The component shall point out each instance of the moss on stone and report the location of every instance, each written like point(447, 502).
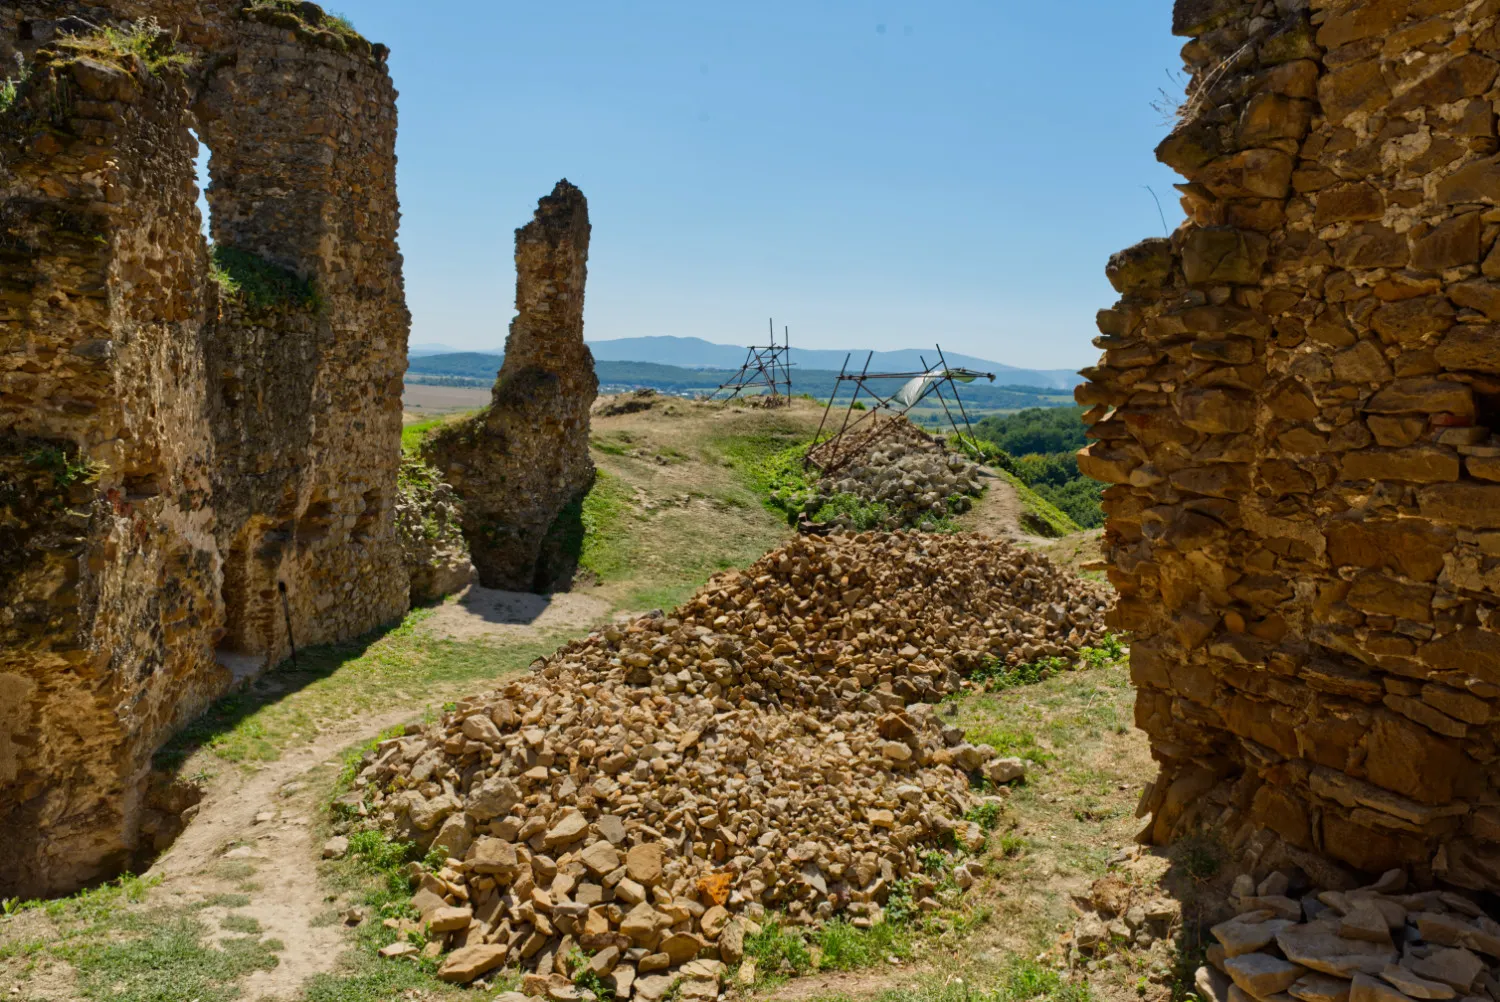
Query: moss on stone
point(38, 480)
point(143, 40)
point(311, 23)
point(258, 283)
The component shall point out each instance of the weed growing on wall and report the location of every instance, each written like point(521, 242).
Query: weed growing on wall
point(10, 87)
point(259, 283)
point(144, 40)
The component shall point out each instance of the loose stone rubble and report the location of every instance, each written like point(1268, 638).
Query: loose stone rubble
point(650, 791)
point(1297, 406)
point(1378, 943)
point(432, 541)
point(909, 472)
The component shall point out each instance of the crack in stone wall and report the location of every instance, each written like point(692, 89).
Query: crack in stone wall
point(172, 451)
point(1297, 408)
point(522, 465)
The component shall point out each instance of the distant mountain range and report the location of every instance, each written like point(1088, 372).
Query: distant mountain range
point(696, 353)
point(478, 369)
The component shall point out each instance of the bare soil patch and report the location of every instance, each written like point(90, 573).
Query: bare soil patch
point(481, 613)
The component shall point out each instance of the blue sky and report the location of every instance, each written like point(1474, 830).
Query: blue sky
point(874, 175)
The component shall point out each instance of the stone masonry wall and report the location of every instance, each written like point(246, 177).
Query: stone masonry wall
point(522, 465)
point(1297, 406)
point(172, 451)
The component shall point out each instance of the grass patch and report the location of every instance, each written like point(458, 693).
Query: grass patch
point(779, 952)
point(168, 962)
point(90, 905)
point(1022, 980)
point(369, 674)
point(374, 870)
point(414, 434)
point(1041, 517)
point(844, 947)
point(605, 534)
point(240, 923)
point(155, 48)
point(259, 283)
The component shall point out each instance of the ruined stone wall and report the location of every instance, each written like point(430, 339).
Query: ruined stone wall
point(522, 465)
point(1297, 406)
point(173, 450)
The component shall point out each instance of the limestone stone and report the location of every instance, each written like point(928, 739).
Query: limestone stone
point(1242, 935)
point(467, 963)
point(1261, 974)
point(644, 862)
point(1415, 987)
point(1367, 989)
point(449, 919)
point(1320, 988)
point(1323, 950)
point(1456, 967)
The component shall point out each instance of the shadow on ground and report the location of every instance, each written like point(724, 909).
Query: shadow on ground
point(251, 696)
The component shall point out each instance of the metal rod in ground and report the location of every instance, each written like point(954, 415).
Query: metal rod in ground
point(857, 387)
point(943, 358)
point(836, 384)
point(286, 611)
point(937, 387)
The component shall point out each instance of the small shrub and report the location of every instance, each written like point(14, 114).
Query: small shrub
point(1109, 651)
point(1011, 845)
point(846, 947)
point(986, 815)
point(778, 951)
point(995, 674)
point(259, 283)
point(10, 87)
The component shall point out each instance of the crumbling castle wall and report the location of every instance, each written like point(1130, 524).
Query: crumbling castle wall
point(522, 465)
point(180, 443)
point(1297, 406)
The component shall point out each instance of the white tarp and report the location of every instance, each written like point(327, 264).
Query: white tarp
point(913, 390)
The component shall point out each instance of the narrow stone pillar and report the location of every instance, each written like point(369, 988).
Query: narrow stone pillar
point(522, 465)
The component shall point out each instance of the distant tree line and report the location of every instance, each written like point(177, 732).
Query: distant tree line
point(478, 369)
point(1044, 442)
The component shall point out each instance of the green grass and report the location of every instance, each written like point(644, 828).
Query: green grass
point(88, 905)
point(169, 961)
point(1042, 517)
point(369, 674)
point(844, 947)
point(414, 434)
point(240, 923)
point(156, 50)
point(259, 283)
point(373, 875)
point(119, 950)
point(606, 534)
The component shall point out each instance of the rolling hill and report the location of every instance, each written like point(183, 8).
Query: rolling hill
point(478, 369)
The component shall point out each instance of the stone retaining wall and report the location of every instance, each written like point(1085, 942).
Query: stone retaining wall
point(1297, 405)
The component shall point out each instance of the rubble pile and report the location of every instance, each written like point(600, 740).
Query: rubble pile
point(429, 526)
point(1374, 944)
point(901, 468)
point(650, 791)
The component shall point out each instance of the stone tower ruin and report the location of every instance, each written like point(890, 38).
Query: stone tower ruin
point(1298, 407)
point(193, 452)
point(522, 464)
